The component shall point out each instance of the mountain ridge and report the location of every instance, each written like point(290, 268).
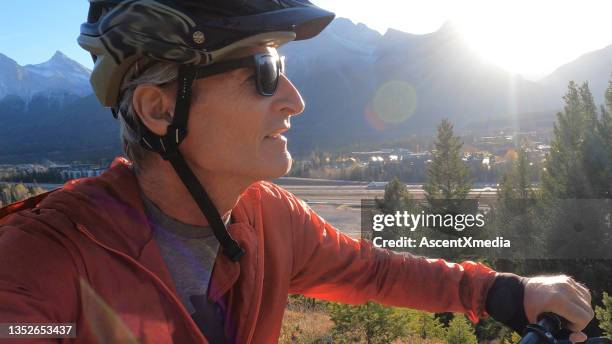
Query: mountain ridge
point(584, 68)
point(342, 75)
point(58, 75)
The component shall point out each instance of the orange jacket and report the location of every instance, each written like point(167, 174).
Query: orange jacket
point(84, 254)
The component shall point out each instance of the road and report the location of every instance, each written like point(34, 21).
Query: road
point(339, 203)
point(352, 195)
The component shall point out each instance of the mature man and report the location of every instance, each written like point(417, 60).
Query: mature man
point(185, 242)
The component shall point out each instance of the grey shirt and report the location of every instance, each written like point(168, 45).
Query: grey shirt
point(189, 253)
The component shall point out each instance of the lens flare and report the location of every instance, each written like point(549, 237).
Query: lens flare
point(103, 321)
point(395, 102)
point(373, 119)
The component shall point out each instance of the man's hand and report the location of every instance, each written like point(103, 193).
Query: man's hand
point(563, 296)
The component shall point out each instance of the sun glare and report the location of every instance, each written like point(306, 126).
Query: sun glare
point(517, 39)
point(527, 37)
point(533, 38)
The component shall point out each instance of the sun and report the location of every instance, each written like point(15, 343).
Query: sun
point(517, 47)
point(530, 39)
point(527, 37)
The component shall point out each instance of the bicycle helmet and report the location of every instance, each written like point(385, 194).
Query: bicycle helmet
point(191, 33)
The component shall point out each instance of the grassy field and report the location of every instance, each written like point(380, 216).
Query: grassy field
point(315, 327)
point(309, 322)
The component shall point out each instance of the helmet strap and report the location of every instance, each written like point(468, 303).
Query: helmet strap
point(168, 147)
point(230, 247)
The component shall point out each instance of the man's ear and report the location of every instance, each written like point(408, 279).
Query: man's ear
point(154, 106)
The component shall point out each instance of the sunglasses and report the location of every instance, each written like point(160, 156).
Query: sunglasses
point(268, 68)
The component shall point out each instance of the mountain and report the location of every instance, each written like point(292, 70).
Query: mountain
point(58, 76)
point(335, 74)
point(594, 67)
point(359, 87)
point(67, 129)
point(359, 81)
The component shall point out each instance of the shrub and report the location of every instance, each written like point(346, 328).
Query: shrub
point(371, 323)
point(460, 331)
point(604, 314)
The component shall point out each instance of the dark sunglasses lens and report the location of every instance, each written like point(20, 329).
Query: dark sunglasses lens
point(267, 72)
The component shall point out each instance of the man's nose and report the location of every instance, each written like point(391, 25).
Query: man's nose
point(290, 102)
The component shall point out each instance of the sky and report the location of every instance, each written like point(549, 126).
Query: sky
point(528, 37)
point(32, 30)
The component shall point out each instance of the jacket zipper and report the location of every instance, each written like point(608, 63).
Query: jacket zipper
point(194, 327)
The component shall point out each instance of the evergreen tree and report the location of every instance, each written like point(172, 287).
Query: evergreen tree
point(425, 325)
point(396, 198)
point(515, 192)
point(370, 323)
point(566, 174)
point(605, 144)
point(522, 176)
point(448, 182)
point(576, 190)
point(515, 215)
point(576, 169)
point(489, 330)
point(460, 331)
point(448, 174)
point(604, 314)
point(513, 338)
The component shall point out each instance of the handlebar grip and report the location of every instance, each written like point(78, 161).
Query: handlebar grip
point(548, 326)
point(552, 322)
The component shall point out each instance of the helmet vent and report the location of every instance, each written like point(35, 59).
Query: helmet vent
point(198, 37)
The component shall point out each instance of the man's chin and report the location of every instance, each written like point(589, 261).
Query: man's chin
point(282, 167)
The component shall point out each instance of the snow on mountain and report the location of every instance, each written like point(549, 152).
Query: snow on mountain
point(60, 65)
point(58, 76)
point(8, 67)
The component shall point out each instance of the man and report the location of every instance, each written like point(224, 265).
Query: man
point(185, 243)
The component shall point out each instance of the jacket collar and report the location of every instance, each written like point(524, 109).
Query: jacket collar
point(111, 208)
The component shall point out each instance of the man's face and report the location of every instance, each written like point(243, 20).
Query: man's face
point(235, 131)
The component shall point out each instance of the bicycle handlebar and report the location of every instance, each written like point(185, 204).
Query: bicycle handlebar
point(548, 327)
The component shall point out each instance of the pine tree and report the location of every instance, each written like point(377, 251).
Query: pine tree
point(396, 198)
point(425, 325)
point(576, 190)
point(513, 338)
point(516, 183)
point(448, 182)
point(580, 160)
point(562, 147)
point(515, 214)
point(570, 163)
point(460, 331)
point(605, 142)
point(573, 175)
point(604, 314)
point(370, 323)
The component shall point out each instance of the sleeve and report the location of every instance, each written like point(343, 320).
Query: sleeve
point(505, 301)
point(328, 264)
point(37, 280)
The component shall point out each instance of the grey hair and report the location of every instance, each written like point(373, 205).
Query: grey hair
point(158, 74)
